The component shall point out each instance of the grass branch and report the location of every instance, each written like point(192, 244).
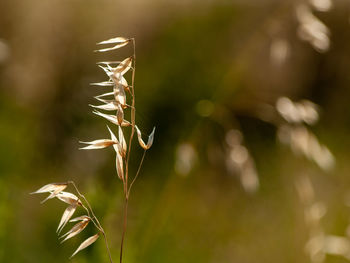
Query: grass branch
point(125, 181)
point(93, 218)
point(137, 173)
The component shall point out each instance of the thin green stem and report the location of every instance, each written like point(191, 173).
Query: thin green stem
point(106, 242)
point(138, 171)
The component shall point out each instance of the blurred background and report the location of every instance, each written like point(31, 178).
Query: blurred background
point(250, 98)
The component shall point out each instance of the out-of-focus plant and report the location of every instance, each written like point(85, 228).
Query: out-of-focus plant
point(319, 243)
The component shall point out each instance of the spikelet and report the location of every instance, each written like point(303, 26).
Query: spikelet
point(76, 229)
point(67, 214)
point(239, 161)
point(119, 41)
point(54, 189)
point(150, 138)
point(312, 29)
point(98, 144)
point(295, 133)
point(86, 243)
point(319, 243)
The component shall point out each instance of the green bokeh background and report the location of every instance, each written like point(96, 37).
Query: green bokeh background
point(187, 51)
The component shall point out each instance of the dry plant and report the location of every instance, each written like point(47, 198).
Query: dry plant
point(294, 132)
point(291, 119)
point(115, 100)
point(309, 29)
point(319, 243)
point(238, 160)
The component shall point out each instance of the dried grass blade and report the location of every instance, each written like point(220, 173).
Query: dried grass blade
point(54, 187)
point(52, 195)
point(123, 82)
point(120, 115)
point(67, 214)
point(139, 137)
point(118, 79)
point(122, 142)
point(79, 218)
point(104, 95)
point(108, 62)
point(106, 70)
point(98, 144)
point(117, 146)
point(123, 67)
point(151, 138)
point(76, 229)
point(103, 83)
point(119, 166)
point(112, 48)
point(68, 198)
point(86, 243)
point(113, 137)
point(114, 41)
point(105, 101)
point(108, 106)
point(119, 95)
point(112, 118)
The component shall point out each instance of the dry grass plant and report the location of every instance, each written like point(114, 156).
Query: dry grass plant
point(115, 100)
point(319, 243)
